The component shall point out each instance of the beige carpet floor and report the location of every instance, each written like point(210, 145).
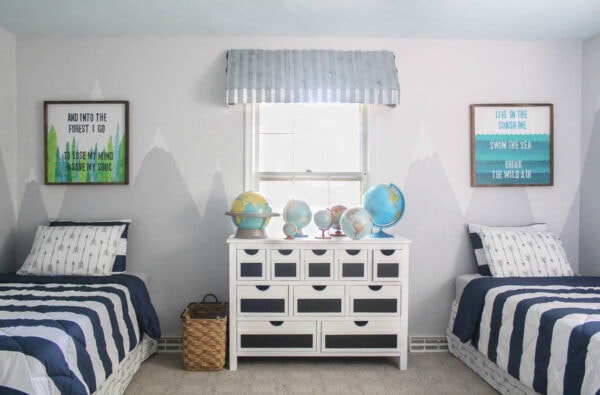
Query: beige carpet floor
point(427, 373)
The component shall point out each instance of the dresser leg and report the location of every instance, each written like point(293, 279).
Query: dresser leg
point(232, 363)
point(402, 362)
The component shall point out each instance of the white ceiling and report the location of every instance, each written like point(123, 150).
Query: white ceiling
point(457, 19)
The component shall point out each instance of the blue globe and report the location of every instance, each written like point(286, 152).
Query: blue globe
point(385, 203)
point(289, 230)
point(323, 219)
point(356, 222)
point(297, 212)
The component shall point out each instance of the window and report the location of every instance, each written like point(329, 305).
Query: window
point(311, 152)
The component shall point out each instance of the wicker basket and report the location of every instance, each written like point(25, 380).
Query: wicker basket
point(205, 334)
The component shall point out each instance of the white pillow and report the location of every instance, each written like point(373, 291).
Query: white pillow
point(73, 250)
point(474, 230)
point(514, 253)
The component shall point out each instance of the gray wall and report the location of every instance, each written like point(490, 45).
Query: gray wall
point(8, 149)
point(590, 182)
point(186, 155)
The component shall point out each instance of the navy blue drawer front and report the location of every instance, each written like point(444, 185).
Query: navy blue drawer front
point(375, 305)
point(286, 269)
point(277, 341)
point(388, 270)
point(353, 270)
point(251, 269)
point(319, 270)
point(319, 306)
point(361, 341)
point(248, 305)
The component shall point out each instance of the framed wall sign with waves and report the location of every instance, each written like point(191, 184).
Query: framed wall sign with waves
point(86, 142)
point(511, 145)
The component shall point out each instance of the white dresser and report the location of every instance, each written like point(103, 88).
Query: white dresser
point(310, 297)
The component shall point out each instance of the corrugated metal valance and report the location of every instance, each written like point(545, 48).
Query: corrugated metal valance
point(311, 76)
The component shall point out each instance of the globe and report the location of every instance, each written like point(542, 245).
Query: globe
point(323, 219)
point(289, 230)
point(297, 212)
point(250, 213)
point(356, 222)
point(385, 203)
point(336, 212)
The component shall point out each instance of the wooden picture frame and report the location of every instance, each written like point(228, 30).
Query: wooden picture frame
point(512, 145)
point(86, 142)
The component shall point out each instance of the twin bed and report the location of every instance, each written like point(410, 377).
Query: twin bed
point(525, 323)
point(71, 320)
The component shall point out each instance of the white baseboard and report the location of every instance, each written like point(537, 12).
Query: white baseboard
point(416, 344)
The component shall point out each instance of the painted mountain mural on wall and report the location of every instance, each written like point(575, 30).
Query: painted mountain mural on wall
point(442, 247)
point(590, 192)
point(8, 228)
point(32, 213)
point(184, 253)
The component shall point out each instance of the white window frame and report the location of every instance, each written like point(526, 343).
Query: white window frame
point(251, 159)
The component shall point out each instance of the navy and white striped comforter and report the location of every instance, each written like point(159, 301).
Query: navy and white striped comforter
point(66, 335)
point(545, 332)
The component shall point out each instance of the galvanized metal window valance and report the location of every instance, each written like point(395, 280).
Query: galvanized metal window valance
point(311, 76)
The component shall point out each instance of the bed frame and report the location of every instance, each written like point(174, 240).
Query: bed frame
point(500, 380)
point(120, 378)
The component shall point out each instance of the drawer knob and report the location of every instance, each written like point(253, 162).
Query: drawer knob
point(276, 323)
point(251, 252)
point(375, 287)
point(353, 252)
point(387, 252)
point(361, 323)
point(319, 252)
point(319, 287)
point(285, 252)
point(262, 287)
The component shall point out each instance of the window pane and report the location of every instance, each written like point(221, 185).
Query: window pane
point(275, 152)
point(318, 137)
point(276, 118)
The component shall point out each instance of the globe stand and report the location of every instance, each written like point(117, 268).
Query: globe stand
point(250, 234)
point(259, 232)
point(300, 234)
point(323, 234)
point(338, 233)
point(380, 235)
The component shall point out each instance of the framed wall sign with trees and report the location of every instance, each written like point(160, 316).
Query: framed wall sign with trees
point(511, 145)
point(86, 142)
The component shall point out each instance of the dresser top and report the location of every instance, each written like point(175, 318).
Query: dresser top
point(333, 242)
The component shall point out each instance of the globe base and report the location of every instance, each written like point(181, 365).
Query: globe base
point(380, 235)
point(338, 233)
point(250, 234)
point(323, 235)
point(300, 234)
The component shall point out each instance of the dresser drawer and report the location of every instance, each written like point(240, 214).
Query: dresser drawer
point(285, 264)
point(262, 300)
point(353, 265)
point(387, 264)
point(251, 264)
point(277, 336)
point(319, 300)
point(318, 264)
point(357, 336)
point(375, 300)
